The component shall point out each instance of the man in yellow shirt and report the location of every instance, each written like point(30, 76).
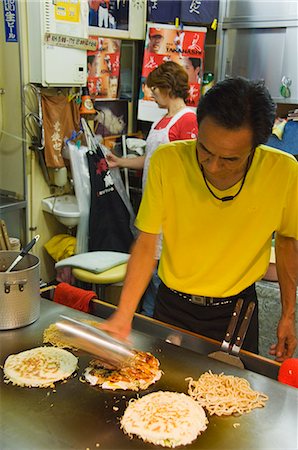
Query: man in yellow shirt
point(218, 202)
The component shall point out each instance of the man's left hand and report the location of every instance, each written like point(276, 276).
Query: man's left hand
point(287, 341)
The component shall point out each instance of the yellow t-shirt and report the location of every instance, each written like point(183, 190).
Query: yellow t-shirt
point(211, 247)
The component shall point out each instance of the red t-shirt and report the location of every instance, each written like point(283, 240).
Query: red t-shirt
point(185, 128)
point(94, 4)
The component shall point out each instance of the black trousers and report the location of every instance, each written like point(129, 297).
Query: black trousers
point(209, 321)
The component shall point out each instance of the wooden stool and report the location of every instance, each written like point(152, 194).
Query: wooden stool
point(99, 281)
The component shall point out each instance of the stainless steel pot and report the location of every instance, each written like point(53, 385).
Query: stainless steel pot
point(19, 291)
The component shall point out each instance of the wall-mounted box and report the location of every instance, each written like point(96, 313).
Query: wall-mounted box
point(52, 65)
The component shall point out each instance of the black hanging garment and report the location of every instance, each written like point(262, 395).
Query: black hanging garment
point(203, 11)
point(158, 11)
point(109, 222)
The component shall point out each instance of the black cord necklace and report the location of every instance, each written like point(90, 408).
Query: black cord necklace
point(228, 197)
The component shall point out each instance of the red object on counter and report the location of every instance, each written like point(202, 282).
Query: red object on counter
point(74, 297)
point(288, 372)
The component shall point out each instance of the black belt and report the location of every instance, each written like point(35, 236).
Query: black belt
point(202, 300)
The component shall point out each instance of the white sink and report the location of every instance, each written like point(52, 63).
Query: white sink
point(64, 208)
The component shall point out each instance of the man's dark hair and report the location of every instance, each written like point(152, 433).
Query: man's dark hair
point(238, 102)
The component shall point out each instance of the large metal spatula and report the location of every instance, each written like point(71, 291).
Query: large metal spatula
point(229, 351)
point(99, 344)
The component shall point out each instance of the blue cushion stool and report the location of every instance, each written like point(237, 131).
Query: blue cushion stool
point(100, 281)
point(98, 268)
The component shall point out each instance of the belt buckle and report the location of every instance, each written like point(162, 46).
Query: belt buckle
point(199, 300)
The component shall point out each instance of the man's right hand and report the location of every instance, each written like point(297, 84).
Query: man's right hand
point(140, 267)
point(117, 326)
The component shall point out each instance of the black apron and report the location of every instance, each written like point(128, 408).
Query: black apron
point(207, 320)
point(109, 222)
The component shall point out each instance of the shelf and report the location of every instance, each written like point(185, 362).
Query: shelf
point(290, 101)
point(10, 204)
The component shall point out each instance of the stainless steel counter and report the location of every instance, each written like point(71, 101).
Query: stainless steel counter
point(78, 416)
point(188, 340)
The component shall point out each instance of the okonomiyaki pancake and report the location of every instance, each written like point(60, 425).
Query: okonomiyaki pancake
point(164, 418)
point(142, 371)
point(39, 367)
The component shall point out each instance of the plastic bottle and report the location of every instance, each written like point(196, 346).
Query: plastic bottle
point(208, 82)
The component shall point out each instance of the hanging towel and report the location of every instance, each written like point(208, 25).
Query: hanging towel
point(60, 118)
point(74, 297)
point(61, 246)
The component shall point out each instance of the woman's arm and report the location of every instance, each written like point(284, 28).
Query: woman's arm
point(129, 163)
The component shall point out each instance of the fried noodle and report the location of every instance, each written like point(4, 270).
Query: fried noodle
point(224, 395)
point(52, 335)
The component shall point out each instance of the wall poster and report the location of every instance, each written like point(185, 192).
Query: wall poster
point(67, 11)
point(168, 43)
point(111, 14)
point(111, 118)
point(103, 66)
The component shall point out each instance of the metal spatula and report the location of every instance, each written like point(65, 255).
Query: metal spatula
point(229, 352)
point(94, 341)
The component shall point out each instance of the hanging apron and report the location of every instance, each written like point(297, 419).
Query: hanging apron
point(60, 118)
point(158, 137)
point(109, 221)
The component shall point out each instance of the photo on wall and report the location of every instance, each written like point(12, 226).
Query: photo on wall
point(167, 43)
point(109, 14)
point(111, 118)
point(103, 67)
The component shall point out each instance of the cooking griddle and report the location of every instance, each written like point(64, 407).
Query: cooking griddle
point(77, 416)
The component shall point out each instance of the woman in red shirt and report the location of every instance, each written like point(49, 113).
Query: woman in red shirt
point(169, 88)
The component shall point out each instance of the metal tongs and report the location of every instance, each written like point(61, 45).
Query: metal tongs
point(230, 347)
point(111, 352)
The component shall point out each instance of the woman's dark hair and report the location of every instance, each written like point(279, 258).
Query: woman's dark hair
point(170, 78)
point(236, 102)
